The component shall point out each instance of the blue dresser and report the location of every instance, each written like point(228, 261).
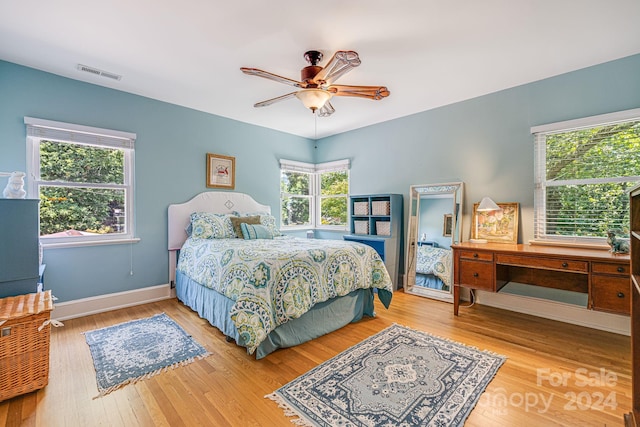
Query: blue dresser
point(19, 260)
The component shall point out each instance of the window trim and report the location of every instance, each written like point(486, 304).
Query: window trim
point(539, 202)
point(40, 129)
point(315, 198)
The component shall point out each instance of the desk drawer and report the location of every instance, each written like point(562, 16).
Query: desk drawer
point(477, 275)
point(544, 263)
point(610, 268)
point(611, 294)
point(477, 255)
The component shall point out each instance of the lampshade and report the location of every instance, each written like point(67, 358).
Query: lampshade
point(486, 204)
point(313, 99)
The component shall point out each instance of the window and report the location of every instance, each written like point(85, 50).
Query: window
point(314, 195)
point(583, 171)
point(296, 198)
point(84, 179)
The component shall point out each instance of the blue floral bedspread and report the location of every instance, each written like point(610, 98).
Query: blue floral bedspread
point(273, 281)
point(436, 261)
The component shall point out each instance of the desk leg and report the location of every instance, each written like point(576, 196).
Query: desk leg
point(456, 299)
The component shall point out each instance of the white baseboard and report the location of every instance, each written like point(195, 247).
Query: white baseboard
point(553, 310)
point(100, 304)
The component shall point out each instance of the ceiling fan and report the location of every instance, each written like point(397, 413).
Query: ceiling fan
point(316, 82)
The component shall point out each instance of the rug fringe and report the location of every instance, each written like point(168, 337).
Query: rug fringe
point(289, 411)
point(151, 374)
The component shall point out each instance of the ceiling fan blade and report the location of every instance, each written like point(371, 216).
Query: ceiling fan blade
point(371, 92)
point(271, 76)
point(340, 63)
point(326, 110)
point(274, 100)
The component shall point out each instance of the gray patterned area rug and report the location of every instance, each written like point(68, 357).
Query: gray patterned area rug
point(128, 352)
point(398, 377)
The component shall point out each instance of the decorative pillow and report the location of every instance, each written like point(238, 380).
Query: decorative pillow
point(237, 220)
point(269, 221)
point(236, 213)
point(266, 219)
point(206, 225)
point(252, 232)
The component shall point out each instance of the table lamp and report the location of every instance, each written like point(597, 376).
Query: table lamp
point(486, 205)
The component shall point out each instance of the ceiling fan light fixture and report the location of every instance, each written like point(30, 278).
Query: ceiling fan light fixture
point(316, 85)
point(313, 99)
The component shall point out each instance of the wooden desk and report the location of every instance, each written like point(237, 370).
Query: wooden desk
point(598, 273)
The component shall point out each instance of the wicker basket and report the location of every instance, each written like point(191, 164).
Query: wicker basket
point(383, 228)
point(361, 227)
point(361, 208)
point(24, 350)
point(380, 207)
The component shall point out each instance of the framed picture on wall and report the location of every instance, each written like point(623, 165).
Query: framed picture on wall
point(221, 171)
point(447, 225)
point(496, 226)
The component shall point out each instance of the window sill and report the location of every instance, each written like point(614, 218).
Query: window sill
point(310, 227)
point(596, 246)
point(57, 245)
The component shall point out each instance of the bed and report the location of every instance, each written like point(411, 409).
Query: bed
point(433, 267)
point(264, 291)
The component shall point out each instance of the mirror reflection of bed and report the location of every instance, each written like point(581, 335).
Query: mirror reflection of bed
point(435, 212)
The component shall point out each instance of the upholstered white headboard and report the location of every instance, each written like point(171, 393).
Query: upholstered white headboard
point(209, 201)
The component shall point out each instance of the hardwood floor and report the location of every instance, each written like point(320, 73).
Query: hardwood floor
point(555, 375)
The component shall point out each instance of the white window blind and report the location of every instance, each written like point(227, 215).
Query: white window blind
point(295, 166)
point(336, 166)
point(583, 171)
point(68, 132)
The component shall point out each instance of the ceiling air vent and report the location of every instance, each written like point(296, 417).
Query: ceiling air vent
point(97, 72)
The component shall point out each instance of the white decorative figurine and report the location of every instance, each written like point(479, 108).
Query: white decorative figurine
point(15, 186)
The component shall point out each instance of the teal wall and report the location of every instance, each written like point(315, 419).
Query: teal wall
point(170, 162)
point(484, 142)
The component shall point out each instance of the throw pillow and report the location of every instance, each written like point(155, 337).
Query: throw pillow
point(237, 220)
point(266, 219)
point(206, 225)
point(252, 232)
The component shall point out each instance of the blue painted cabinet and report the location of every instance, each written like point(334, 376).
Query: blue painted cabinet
point(376, 220)
point(19, 260)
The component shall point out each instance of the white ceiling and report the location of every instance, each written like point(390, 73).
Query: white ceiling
point(428, 53)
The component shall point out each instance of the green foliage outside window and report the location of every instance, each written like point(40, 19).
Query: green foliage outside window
point(295, 207)
point(588, 174)
point(86, 209)
point(297, 194)
point(333, 210)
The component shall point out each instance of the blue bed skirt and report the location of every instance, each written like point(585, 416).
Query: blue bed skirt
point(430, 281)
point(323, 318)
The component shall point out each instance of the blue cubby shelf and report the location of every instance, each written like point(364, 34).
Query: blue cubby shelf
point(376, 220)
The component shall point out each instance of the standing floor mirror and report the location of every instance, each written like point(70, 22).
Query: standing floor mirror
point(435, 216)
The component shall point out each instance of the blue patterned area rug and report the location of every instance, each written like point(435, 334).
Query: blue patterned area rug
point(128, 352)
point(398, 377)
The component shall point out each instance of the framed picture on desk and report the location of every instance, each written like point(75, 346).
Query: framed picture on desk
point(500, 226)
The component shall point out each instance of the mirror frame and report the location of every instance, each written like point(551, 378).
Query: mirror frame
point(456, 189)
